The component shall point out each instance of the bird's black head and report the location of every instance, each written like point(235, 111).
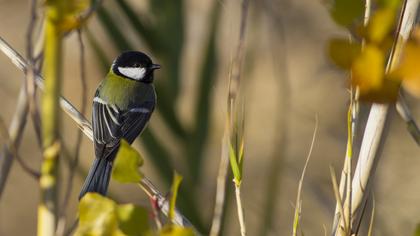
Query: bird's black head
point(135, 66)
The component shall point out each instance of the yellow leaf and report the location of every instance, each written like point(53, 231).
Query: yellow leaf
point(126, 164)
point(133, 220)
point(174, 192)
point(173, 230)
point(368, 69)
point(97, 216)
point(343, 52)
point(409, 69)
point(381, 25)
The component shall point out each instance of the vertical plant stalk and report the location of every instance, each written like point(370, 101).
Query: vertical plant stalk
point(345, 178)
point(233, 90)
point(220, 189)
point(372, 138)
point(240, 209)
point(47, 209)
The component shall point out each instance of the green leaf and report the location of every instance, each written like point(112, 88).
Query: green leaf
point(343, 52)
point(174, 192)
point(133, 220)
point(97, 216)
point(345, 12)
point(234, 165)
point(173, 230)
point(126, 164)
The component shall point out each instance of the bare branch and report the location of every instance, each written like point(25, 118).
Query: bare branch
point(15, 133)
point(11, 146)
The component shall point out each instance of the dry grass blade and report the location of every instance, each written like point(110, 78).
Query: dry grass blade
point(338, 198)
point(220, 189)
point(298, 204)
point(372, 218)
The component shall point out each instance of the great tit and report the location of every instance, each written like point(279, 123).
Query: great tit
point(122, 106)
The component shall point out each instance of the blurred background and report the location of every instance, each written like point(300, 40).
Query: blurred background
point(287, 82)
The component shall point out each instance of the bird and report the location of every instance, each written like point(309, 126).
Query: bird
point(122, 106)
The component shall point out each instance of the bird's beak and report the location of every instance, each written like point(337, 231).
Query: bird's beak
point(155, 66)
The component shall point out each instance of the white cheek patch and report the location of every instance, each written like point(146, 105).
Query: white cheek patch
point(136, 73)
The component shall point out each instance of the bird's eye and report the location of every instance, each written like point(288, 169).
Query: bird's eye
point(136, 65)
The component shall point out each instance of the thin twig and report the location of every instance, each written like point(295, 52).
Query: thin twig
point(85, 126)
point(240, 209)
point(20, 63)
point(155, 212)
point(163, 203)
point(15, 132)
point(220, 189)
point(298, 204)
point(30, 82)
point(338, 199)
point(73, 164)
point(372, 218)
point(11, 146)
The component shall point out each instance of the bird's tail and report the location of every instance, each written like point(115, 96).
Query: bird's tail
point(98, 177)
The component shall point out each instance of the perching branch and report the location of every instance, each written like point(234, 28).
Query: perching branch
point(86, 128)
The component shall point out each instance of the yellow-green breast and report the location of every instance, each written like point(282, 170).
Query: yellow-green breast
point(121, 91)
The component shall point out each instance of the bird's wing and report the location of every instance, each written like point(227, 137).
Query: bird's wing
point(107, 122)
point(110, 124)
point(135, 119)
